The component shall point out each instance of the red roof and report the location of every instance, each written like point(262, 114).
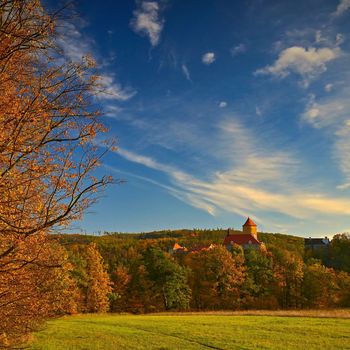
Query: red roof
point(249, 222)
point(241, 239)
point(178, 248)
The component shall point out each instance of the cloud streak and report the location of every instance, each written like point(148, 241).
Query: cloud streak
point(257, 181)
point(342, 7)
point(186, 72)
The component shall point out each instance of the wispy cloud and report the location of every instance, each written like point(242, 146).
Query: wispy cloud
point(328, 111)
point(238, 49)
point(342, 152)
point(109, 89)
point(342, 7)
point(306, 62)
point(208, 58)
point(331, 113)
point(147, 21)
point(258, 180)
point(76, 46)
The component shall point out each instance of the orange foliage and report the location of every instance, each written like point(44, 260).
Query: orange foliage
point(47, 156)
point(216, 278)
point(34, 285)
point(99, 284)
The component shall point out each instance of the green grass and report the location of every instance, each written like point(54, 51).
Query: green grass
point(198, 331)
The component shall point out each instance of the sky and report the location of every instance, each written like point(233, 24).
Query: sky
point(221, 110)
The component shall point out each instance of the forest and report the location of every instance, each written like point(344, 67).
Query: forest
point(139, 273)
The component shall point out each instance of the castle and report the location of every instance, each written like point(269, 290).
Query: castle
point(246, 239)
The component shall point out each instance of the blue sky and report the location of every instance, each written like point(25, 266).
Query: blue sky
point(222, 109)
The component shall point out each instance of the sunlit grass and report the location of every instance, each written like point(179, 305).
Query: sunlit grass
point(196, 331)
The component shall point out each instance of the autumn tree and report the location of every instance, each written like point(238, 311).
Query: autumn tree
point(91, 277)
point(343, 292)
point(340, 252)
point(99, 284)
point(216, 278)
point(34, 284)
point(120, 279)
point(288, 273)
point(319, 286)
point(47, 157)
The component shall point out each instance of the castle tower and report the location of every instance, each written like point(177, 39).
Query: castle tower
point(250, 228)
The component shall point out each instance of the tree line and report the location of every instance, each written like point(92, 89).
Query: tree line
point(140, 275)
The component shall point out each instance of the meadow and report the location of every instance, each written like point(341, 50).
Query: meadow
point(282, 330)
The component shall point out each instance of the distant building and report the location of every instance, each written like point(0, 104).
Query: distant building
point(316, 243)
point(246, 239)
point(177, 248)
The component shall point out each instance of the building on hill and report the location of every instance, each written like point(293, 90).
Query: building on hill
point(318, 248)
point(247, 239)
point(177, 248)
point(316, 243)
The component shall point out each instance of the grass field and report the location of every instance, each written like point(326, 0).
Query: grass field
point(196, 331)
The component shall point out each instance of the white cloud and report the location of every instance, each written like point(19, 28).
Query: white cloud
point(147, 21)
point(308, 63)
point(342, 7)
point(258, 111)
point(236, 50)
point(208, 58)
point(186, 72)
point(328, 87)
point(223, 104)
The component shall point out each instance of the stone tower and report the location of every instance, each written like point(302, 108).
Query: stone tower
point(250, 228)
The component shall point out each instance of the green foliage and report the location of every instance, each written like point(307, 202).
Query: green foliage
point(260, 282)
point(169, 279)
